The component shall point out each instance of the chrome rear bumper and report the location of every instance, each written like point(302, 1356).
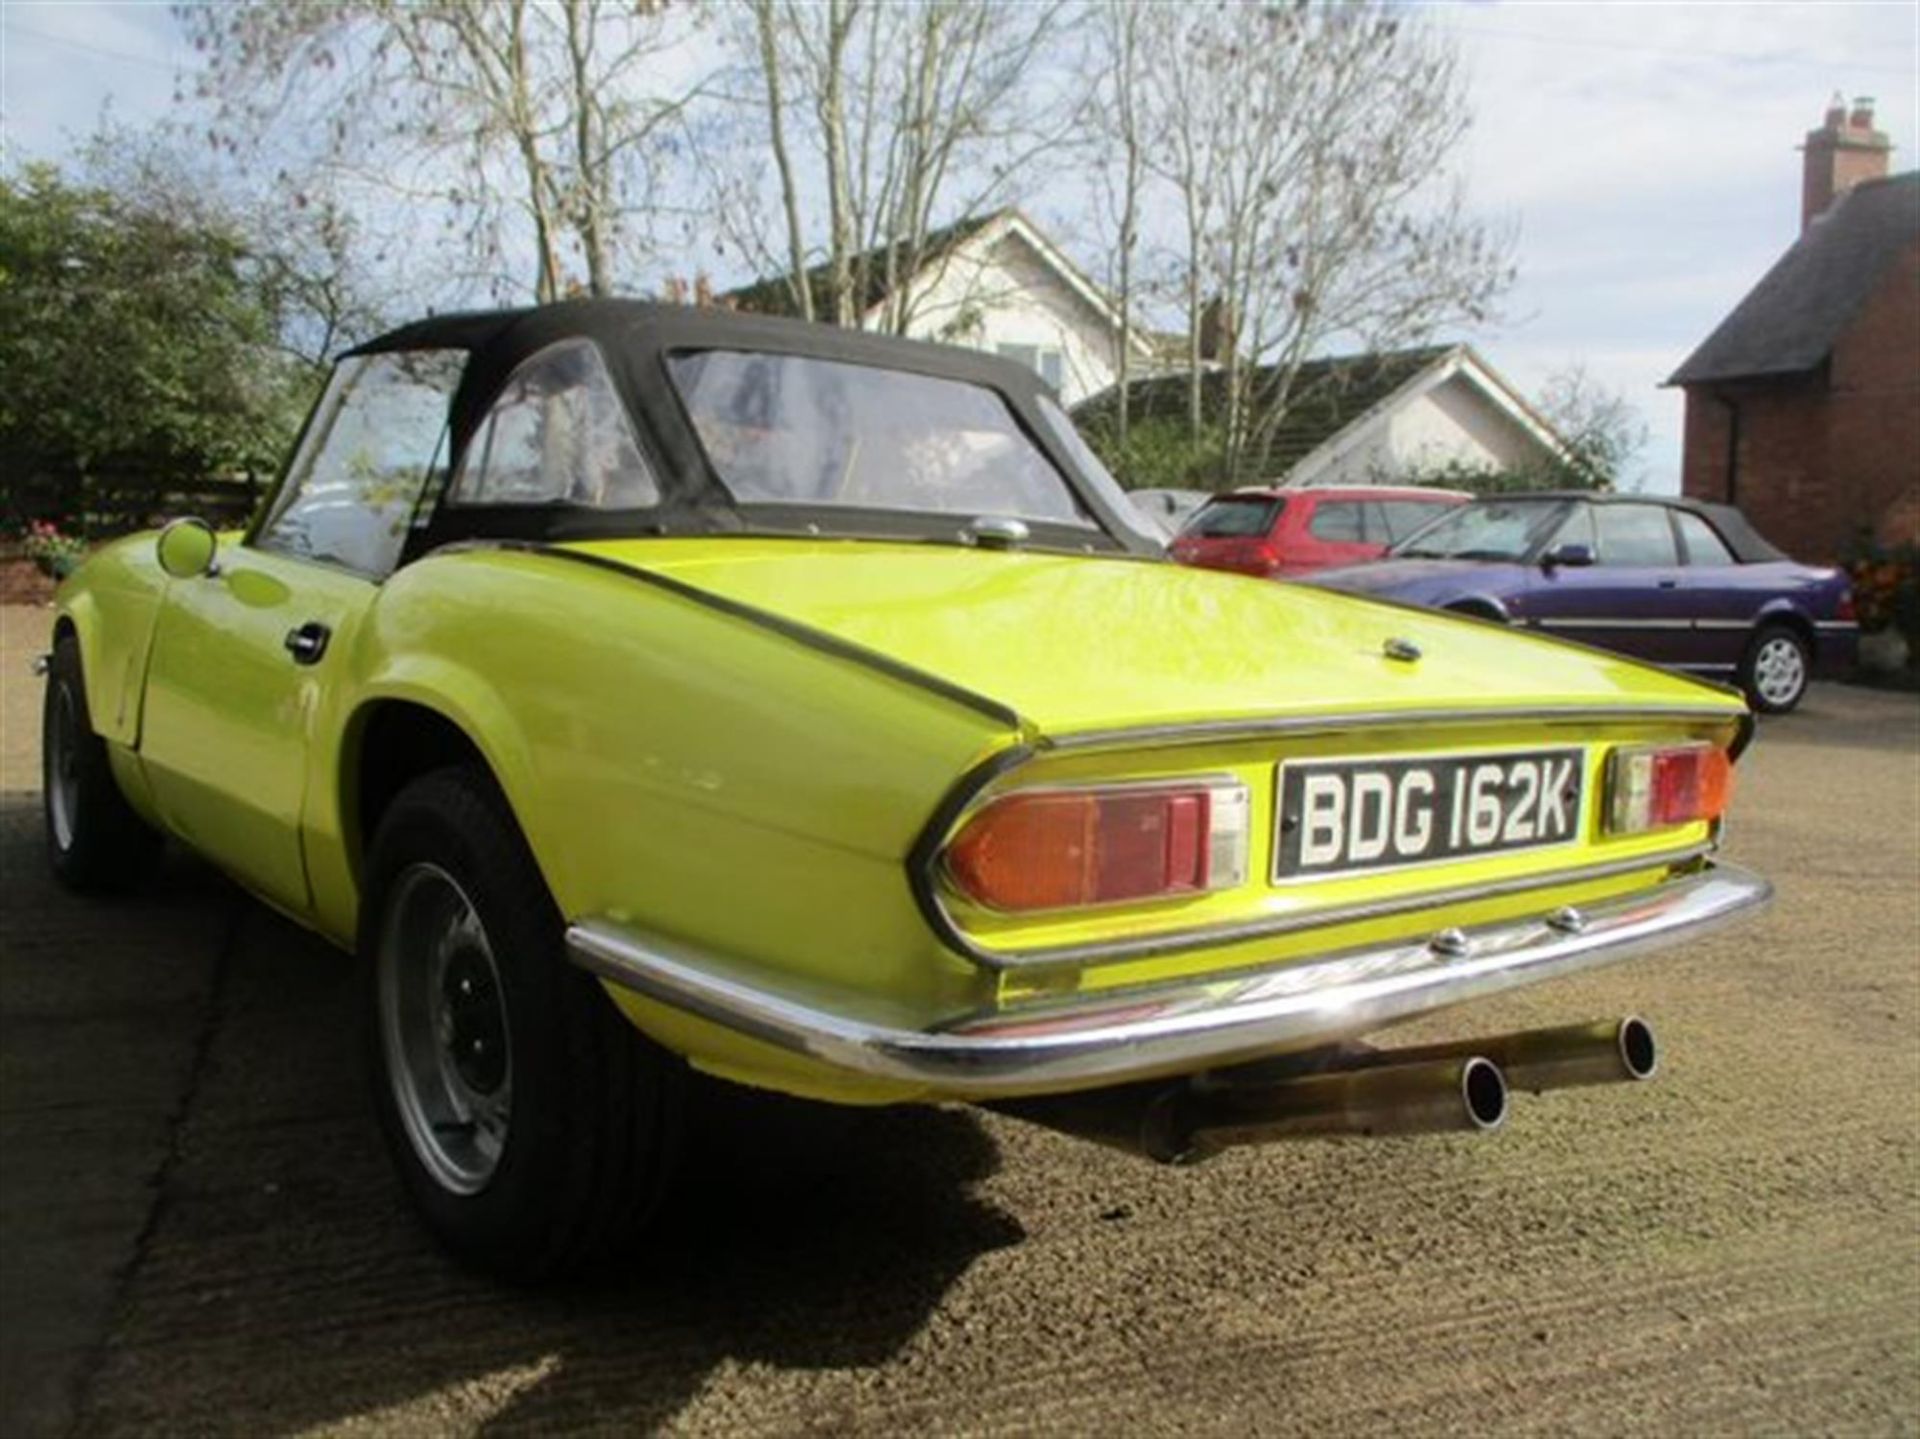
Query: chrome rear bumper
point(1116, 1037)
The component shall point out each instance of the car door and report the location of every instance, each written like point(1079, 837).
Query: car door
point(1630, 599)
point(1724, 597)
point(242, 655)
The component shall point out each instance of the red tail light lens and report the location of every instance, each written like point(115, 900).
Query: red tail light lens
point(1654, 787)
point(1060, 849)
point(1846, 610)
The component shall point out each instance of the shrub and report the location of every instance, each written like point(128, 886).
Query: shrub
point(53, 552)
point(1886, 588)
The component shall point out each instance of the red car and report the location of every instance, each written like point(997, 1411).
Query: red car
point(1277, 532)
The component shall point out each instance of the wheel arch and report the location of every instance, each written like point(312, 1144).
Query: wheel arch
point(76, 621)
point(398, 733)
point(394, 742)
point(1787, 617)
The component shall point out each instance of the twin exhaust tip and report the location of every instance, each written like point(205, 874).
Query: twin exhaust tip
point(1457, 1086)
point(1483, 1091)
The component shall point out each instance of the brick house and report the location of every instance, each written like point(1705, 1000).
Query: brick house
point(1803, 407)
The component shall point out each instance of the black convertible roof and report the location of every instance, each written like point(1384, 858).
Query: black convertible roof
point(636, 337)
point(1749, 546)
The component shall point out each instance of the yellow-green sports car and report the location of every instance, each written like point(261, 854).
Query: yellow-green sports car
point(640, 690)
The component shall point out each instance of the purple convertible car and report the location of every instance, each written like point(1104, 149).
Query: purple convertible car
point(1675, 582)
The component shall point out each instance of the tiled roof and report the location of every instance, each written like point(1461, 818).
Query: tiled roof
point(1328, 395)
point(771, 296)
point(1788, 323)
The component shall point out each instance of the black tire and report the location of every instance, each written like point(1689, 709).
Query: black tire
point(1775, 669)
point(95, 842)
point(590, 1109)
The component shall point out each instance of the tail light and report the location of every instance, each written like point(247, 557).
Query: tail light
point(1655, 787)
point(1846, 611)
point(1060, 849)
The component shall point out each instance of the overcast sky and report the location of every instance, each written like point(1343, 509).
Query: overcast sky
point(1646, 152)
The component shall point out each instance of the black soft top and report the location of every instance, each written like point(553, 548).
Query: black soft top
point(636, 338)
point(1749, 546)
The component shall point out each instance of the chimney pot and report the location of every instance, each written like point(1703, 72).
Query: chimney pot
point(1842, 153)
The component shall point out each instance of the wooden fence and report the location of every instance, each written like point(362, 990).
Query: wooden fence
point(103, 506)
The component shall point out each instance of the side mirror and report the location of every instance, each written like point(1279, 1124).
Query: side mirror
point(186, 548)
point(1572, 556)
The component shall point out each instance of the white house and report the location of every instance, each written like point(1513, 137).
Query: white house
point(1378, 418)
point(998, 283)
point(1440, 408)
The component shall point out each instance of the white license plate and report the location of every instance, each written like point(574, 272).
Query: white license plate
point(1349, 816)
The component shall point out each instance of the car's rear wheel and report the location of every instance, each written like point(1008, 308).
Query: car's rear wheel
point(534, 1128)
point(1776, 669)
point(95, 841)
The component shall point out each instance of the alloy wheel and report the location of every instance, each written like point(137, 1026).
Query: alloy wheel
point(1779, 671)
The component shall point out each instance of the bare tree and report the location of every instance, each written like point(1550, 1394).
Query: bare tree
point(537, 121)
point(303, 255)
point(1308, 146)
point(1117, 119)
point(1604, 433)
point(881, 115)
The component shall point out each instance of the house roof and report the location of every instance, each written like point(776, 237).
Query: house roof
point(1329, 394)
point(772, 296)
point(1788, 323)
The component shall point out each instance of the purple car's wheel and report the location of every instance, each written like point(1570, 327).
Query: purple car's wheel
point(1776, 670)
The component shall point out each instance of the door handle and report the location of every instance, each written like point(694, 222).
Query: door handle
point(308, 642)
point(1669, 584)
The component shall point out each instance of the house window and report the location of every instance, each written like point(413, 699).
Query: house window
point(1049, 364)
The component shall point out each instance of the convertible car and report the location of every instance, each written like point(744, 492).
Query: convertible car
point(642, 691)
point(1675, 582)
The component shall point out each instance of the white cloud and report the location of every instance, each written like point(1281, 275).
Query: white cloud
point(1649, 155)
point(61, 65)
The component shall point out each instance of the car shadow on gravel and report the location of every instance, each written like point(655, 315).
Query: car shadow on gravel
point(282, 1283)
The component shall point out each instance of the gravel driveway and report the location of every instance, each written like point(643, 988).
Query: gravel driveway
point(201, 1234)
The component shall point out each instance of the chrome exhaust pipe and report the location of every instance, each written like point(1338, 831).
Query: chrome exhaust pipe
point(1188, 1121)
point(1432, 1096)
point(1607, 1051)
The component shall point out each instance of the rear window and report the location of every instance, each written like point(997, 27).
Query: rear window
point(796, 430)
point(1234, 516)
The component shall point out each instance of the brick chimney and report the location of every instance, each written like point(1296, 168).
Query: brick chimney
point(1845, 150)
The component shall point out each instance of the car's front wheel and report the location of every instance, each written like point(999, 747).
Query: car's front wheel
point(1776, 669)
point(534, 1127)
point(95, 841)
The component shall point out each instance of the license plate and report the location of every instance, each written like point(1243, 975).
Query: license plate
point(1346, 816)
